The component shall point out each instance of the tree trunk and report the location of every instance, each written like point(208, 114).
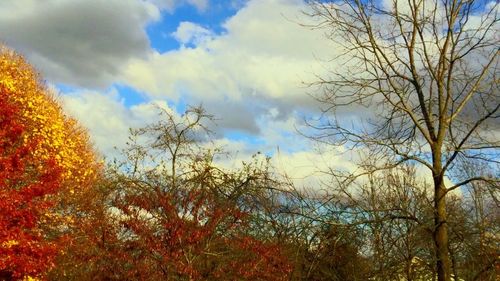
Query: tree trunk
point(443, 264)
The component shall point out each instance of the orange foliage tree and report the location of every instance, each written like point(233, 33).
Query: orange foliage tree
point(23, 250)
point(58, 135)
point(43, 154)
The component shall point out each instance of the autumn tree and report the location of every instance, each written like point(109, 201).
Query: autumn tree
point(171, 213)
point(23, 249)
point(43, 154)
point(426, 75)
point(44, 119)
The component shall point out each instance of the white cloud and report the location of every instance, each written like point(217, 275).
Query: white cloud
point(191, 33)
point(107, 118)
point(258, 64)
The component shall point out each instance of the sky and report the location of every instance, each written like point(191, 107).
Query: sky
point(247, 62)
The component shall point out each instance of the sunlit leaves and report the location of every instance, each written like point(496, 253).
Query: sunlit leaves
point(23, 249)
point(57, 135)
point(42, 153)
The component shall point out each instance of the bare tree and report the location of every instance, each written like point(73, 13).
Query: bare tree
point(426, 74)
point(474, 222)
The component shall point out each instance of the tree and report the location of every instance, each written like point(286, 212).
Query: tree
point(43, 154)
point(23, 249)
point(43, 118)
point(426, 73)
point(170, 213)
point(474, 220)
point(380, 224)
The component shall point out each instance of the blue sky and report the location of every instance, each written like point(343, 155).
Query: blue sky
point(211, 18)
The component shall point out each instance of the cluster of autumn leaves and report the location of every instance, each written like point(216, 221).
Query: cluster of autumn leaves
point(43, 154)
point(64, 216)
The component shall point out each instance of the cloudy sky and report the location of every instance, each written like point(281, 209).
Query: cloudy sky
point(246, 62)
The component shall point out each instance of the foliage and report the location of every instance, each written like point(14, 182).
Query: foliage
point(43, 154)
point(169, 213)
point(58, 136)
point(23, 249)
